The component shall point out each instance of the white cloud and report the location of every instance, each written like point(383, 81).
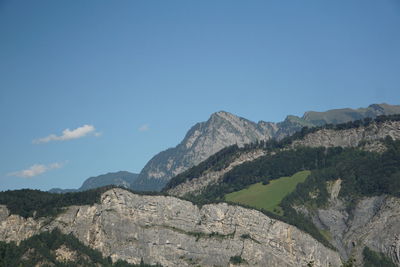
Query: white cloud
point(144, 128)
point(68, 134)
point(36, 170)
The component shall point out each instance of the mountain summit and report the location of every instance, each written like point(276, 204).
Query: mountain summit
point(223, 129)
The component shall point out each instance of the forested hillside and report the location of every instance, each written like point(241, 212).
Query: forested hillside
point(363, 174)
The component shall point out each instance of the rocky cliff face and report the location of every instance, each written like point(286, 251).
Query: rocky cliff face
point(196, 185)
point(373, 222)
point(204, 139)
point(174, 232)
point(369, 137)
point(224, 129)
point(352, 137)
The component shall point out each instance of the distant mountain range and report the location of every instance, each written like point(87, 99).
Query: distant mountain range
point(121, 178)
point(324, 196)
point(223, 129)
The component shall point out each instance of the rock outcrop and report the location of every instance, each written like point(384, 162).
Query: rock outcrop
point(203, 140)
point(224, 129)
point(174, 232)
point(196, 185)
point(373, 222)
point(368, 138)
point(370, 135)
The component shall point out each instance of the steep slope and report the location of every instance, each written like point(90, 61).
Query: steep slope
point(373, 222)
point(121, 178)
point(53, 249)
point(224, 129)
point(175, 232)
point(194, 184)
point(352, 196)
point(368, 136)
point(204, 139)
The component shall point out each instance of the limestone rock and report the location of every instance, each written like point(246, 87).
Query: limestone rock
point(224, 129)
point(352, 137)
point(196, 185)
point(373, 222)
point(203, 140)
point(175, 232)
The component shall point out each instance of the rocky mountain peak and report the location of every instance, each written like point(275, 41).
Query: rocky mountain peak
point(223, 114)
point(223, 129)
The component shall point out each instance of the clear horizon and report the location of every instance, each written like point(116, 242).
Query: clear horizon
point(92, 87)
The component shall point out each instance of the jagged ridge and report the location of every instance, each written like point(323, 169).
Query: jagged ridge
point(174, 232)
point(224, 129)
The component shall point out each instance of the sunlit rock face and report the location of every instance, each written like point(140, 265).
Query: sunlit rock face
point(174, 232)
point(223, 129)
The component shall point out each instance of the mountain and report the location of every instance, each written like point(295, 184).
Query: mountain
point(121, 178)
point(351, 198)
point(62, 191)
point(173, 232)
point(223, 129)
point(367, 135)
point(203, 139)
point(346, 211)
point(336, 116)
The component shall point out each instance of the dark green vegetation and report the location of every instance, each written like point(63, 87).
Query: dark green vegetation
point(216, 162)
point(363, 174)
point(268, 168)
point(181, 155)
point(237, 260)
point(222, 158)
point(347, 114)
point(268, 196)
point(42, 249)
point(376, 259)
point(36, 203)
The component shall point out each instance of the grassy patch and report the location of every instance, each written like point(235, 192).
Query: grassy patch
point(268, 196)
point(326, 234)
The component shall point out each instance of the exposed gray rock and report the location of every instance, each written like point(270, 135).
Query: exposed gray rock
point(203, 140)
point(224, 129)
point(196, 185)
point(368, 138)
point(16, 228)
point(174, 232)
point(351, 137)
point(373, 222)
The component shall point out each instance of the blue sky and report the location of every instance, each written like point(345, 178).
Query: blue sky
point(129, 78)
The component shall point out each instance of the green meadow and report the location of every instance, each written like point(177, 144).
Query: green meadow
point(268, 196)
